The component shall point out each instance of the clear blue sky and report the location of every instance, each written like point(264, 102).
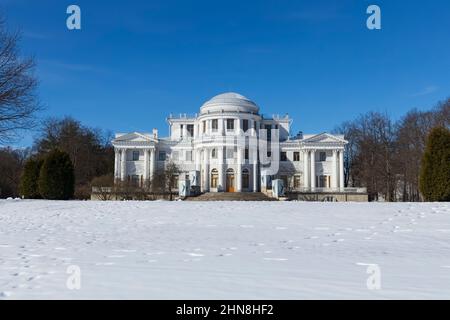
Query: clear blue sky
point(134, 62)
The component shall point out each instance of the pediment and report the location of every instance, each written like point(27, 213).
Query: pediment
point(134, 137)
point(324, 138)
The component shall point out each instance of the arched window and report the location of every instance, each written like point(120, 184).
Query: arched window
point(214, 178)
point(214, 153)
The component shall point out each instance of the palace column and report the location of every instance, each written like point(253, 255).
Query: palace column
point(306, 169)
point(152, 163)
point(334, 173)
point(206, 169)
point(123, 164)
point(198, 160)
point(208, 127)
point(116, 164)
point(195, 131)
point(146, 164)
point(221, 185)
point(239, 170)
point(313, 169)
point(341, 170)
point(221, 126)
point(255, 175)
point(185, 132)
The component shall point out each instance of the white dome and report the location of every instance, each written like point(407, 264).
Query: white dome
point(229, 102)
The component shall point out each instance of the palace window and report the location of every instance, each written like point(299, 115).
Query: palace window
point(246, 154)
point(245, 125)
point(135, 180)
point(268, 127)
point(162, 156)
point(214, 125)
point(181, 130)
point(324, 181)
point(245, 179)
point(190, 130)
point(204, 126)
point(175, 155)
point(214, 153)
point(175, 181)
point(230, 124)
point(230, 153)
point(296, 182)
point(322, 156)
point(283, 156)
point(188, 155)
point(214, 178)
point(296, 156)
point(135, 155)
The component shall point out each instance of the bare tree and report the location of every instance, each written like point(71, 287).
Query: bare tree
point(171, 173)
point(11, 165)
point(165, 181)
point(18, 99)
point(386, 157)
point(103, 187)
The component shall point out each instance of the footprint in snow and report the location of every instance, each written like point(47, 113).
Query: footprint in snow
point(105, 263)
point(116, 256)
point(275, 259)
point(154, 253)
point(195, 254)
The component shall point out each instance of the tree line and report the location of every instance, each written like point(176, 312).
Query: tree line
point(89, 151)
point(386, 155)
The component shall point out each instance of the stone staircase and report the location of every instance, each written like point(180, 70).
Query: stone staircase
point(231, 196)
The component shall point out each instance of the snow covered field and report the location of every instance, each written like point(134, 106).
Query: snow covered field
point(223, 250)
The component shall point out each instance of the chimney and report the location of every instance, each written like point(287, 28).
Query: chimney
point(155, 133)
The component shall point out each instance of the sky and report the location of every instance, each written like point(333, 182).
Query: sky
point(135, 62)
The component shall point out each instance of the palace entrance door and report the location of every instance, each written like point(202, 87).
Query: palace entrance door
point(230, 180)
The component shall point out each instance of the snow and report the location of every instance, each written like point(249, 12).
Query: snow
point(223, 250)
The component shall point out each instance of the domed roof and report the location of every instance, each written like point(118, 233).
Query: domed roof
point(229, 102)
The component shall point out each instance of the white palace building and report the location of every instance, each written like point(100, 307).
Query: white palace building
point(205, 150)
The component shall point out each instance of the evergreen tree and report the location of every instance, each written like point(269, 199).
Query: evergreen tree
point(435, 168)
point(29, 180)
point(56, 179)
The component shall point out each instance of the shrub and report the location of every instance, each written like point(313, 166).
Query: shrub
point(56, 179)
point(29, 188)
point(435, 167)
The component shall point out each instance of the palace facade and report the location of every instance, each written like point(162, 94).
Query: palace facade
point(200, 146)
